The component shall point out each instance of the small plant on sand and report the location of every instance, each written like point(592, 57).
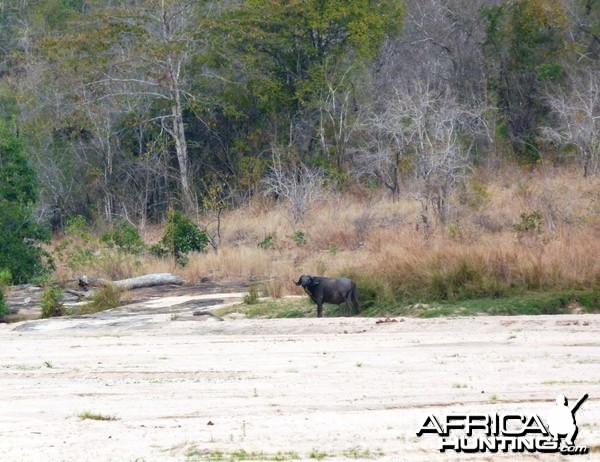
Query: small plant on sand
point(87, 415)
point(251, 298)
point(318, 455)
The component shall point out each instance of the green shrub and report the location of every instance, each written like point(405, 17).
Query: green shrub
point(590, 299)
point(79, 258)
point(77, 226)
point(267, 242)
point(251, 298)
point(5, 279)
point(300, 238)
point(51, 304)
point(181, 236)
point(530, 222)
point(3, 308)
point(21, 232)
point(125, 237)
point(19, 249)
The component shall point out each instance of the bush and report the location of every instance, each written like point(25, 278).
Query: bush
point(268, 241)
point(21, 233)
point(125, 237)
point(19, 251)
point(5, 278)
point(251, 298)
point(51, 304)
point(78, 227)
point(3, 307)
point(181, 236)
point(530, 222)
point(300, 238)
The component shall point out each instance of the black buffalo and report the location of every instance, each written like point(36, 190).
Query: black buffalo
point(327, 290)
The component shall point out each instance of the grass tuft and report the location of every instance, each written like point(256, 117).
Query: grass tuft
point(105, 298)
point(87, 415)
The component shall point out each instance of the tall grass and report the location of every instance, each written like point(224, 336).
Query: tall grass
point(510, 231)
point(447, 270)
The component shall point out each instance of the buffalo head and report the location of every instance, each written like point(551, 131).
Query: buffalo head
point(306, 281)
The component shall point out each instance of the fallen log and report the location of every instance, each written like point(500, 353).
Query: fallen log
point(148, 280)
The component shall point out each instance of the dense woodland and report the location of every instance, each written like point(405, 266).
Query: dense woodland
point(127, 109)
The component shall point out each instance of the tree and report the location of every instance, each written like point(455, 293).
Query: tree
point(524, 46)
point(576, 113)
point(21, 234)
point(425, 132)
point(441, 42)
point(293, 59)
point(300, 185)
point(285, 44)
point(129, 54)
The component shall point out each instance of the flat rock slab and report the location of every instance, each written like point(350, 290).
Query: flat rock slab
point(24, 301)
point(144, 314)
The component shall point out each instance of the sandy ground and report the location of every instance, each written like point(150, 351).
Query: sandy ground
point(181, 387)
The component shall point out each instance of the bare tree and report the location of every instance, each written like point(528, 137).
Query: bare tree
point(576, 113)
point(441, 42)
point(299, 185)
point(338, 119)
point(428, 133)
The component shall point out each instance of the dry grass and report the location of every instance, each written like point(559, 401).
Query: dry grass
point(368, 235)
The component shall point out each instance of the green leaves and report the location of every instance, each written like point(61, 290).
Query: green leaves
point(17, 178)
point(181, 237)
point(125, 237)
point(284, 45)
point(525, 44)
point(20, 232)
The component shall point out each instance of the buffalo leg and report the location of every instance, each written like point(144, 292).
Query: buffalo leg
point(349, 305)
point(319, 310)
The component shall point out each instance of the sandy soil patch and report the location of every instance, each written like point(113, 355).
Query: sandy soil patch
point(193, 388)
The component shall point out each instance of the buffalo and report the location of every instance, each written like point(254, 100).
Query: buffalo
point(327, 290)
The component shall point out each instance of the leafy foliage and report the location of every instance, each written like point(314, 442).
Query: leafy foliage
point(181, 236)
point(19, 250)
point(125, 237)
point(530, 222)
point(5, 278)
point(525, 44)
point(286, 46)
point(51, 304)
point(268, 241)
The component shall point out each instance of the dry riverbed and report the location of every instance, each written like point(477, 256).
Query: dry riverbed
point(152, 382)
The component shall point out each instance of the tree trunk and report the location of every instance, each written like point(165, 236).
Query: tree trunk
point(148, 280)
point(173, 69)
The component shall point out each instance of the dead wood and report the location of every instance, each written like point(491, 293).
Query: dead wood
point(148, 280)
